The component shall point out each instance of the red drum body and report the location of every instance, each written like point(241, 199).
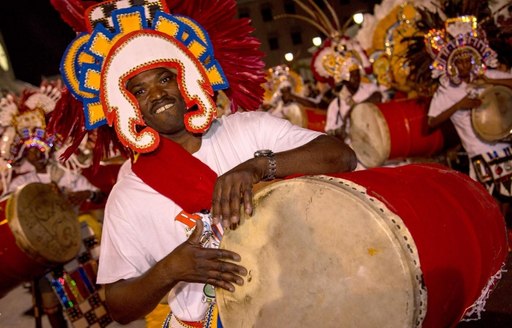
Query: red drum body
point(38, 230)
point(397, 129)
point(316, 118)
point(412, 246)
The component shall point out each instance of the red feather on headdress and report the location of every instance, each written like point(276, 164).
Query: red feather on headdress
point(236, 51)
point(72, 12)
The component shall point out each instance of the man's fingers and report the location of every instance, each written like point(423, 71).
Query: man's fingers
point(195, 237)
point(248, 201)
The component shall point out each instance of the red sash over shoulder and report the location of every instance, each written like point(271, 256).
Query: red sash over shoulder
point(176, 174)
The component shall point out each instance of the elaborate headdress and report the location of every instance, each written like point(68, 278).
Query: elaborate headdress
point(24, 120)
point(279, 77)
point(459, 29)
point(37, 138)
point(201, 40)
point(328, 63)
point(23, 123)
point(381, 36)
point(460, 38)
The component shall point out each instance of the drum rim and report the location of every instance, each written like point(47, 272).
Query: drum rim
point(367, 160)
point(393, 221)
point(477, 126)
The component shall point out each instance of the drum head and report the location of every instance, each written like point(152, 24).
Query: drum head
point(321, 253)
point(492, 121)
point(44, 223)
point(369, 134)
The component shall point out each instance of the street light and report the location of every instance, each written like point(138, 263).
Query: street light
point(317, 41)
point(288, 56)
point(358, 18)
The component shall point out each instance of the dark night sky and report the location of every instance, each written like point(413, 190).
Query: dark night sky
point(35, 37)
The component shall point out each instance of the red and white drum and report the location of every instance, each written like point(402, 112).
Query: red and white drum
point(315, 118)
point(38, 230)
point(396, 129)
point(388, 247)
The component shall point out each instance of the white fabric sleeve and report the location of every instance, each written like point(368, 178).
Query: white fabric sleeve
point(444, 98)
point(281, 135)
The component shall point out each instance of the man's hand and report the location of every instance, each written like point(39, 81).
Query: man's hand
point(76, 198)
point(469, 102)
point(232, 189)
point(193, 263)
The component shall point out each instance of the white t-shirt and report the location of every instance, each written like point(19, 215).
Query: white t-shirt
point(447, 96)
point(139, 225)
point(338, 108)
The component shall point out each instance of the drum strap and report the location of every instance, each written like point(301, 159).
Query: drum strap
point(494, 171)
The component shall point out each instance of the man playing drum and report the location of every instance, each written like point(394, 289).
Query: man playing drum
point(156, 89)
point(350, 92)
point(463, 72)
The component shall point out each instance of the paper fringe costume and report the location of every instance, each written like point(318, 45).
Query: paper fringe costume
point(201, 40)
point(23, 126)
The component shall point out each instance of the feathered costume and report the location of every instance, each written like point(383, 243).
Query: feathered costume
point(457, 26)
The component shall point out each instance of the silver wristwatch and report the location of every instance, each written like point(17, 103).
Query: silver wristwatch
point(272, 165)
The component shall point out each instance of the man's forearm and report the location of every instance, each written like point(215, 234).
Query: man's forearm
point(503, 82)
point(435, 122)
point(132, 299)
point(324, 154)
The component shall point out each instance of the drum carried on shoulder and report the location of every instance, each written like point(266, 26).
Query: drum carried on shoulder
point(38, 230)
point(492, 120)
point(392, 130)
point(412, 246)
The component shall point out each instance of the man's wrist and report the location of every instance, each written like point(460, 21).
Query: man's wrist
point(270, 171)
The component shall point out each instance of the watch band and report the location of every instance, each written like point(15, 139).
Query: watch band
point(272, 164)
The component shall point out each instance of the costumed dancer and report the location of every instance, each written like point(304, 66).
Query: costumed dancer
point(150, 73)
point(31, 158)
point(340, 62)
point(283, 85)
point(382, 37)
point(455, 53)
point(351, 91)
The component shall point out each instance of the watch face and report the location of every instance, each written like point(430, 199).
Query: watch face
point(263, 153)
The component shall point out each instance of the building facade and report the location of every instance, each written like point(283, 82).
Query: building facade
point(290, 35)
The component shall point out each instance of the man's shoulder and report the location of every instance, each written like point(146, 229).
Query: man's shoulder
point(244, 115)
point(247, 118)
point(130, 187)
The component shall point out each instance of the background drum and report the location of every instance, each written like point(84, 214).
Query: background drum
point(315, 118)
point(396, 129)
point(38, 230)
point(492, 121)
point(386, 247)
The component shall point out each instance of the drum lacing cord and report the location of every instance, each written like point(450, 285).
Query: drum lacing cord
point(474, 312)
